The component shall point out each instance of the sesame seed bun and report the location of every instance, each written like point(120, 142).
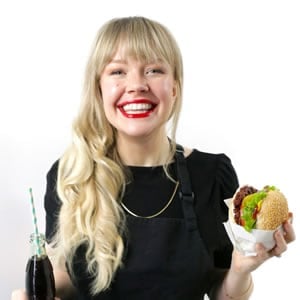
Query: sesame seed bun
point(274, 211)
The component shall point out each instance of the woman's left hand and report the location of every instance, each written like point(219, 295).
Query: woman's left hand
point(245, 264)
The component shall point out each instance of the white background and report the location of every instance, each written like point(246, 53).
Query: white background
point(241, 97)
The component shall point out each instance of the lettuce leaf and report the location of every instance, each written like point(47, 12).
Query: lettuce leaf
point(251, 205)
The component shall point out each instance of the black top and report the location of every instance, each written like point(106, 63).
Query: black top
point(213, 179)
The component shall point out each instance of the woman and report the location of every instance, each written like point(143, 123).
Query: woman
point(131, 214)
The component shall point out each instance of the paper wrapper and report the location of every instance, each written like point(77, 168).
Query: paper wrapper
point(245, 241)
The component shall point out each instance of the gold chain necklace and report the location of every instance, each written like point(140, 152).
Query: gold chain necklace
point(159, 212)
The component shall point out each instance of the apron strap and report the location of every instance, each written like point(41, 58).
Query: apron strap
point(186, 193)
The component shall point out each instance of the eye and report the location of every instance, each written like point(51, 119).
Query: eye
point(117, 72)
point(155, 71)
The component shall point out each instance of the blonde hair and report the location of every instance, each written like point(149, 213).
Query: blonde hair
point(91, 176)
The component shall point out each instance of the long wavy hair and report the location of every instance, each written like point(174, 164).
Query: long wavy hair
point(91, 176)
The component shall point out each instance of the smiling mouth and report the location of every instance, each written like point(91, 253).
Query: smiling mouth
point(137, 110)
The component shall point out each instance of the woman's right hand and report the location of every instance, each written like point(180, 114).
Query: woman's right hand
point(21, 295)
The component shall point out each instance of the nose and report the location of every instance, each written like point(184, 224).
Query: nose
point(136, 82)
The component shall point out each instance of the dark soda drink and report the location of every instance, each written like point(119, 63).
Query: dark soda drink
point(39, 280)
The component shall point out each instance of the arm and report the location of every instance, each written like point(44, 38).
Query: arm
point(237, 283)
point(52, 203)
point(64, 287)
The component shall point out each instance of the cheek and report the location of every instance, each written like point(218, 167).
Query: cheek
point(168, 90)
point(108, 89)
point(110, 93)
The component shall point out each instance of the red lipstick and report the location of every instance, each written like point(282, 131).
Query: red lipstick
point(138, 108)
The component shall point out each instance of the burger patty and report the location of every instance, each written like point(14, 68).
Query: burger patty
point(238, 200)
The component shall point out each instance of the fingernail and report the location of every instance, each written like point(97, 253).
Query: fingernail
point(291, 216)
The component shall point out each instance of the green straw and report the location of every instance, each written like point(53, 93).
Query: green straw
point(36, 231)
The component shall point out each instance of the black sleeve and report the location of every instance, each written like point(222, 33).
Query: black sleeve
point(227, 183)
point(52, 202)
point(225, 186)
point(213, 180)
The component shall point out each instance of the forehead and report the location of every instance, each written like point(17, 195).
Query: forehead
point(144, 50)
point(124, 56)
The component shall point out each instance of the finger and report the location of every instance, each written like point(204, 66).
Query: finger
point(289, 233)
point(281, 245)
point(291, 217)
point(262, 253)
point(19, 295)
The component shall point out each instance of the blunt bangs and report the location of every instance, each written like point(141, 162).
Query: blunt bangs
point(140, 39)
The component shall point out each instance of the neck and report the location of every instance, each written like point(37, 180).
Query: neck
point(150, 151)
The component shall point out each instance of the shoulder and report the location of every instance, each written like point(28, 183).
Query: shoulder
point(51, 183)
point(195, 156)
point(52, 172)
point(51, 200)
point(212, 169)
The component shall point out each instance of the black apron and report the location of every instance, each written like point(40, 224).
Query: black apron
point(165, 257)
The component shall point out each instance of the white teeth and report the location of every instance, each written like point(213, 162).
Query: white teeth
point(137, 107)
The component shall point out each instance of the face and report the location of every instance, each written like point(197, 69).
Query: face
point(138, 97)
